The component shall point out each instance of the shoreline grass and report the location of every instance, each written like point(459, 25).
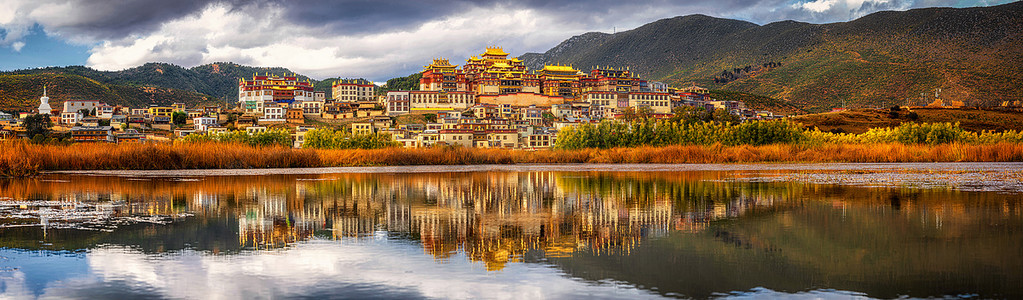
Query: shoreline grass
point(21, 159)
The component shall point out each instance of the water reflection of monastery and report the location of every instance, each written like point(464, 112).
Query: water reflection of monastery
point(490, 217)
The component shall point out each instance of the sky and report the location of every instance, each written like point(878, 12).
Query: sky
point(373, 39)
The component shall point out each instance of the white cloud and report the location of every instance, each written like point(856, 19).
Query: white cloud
point(831, 10)
point(323, 266)
point(15, 27)
point(17, 46)
point(819, 6)
point(262, 36)
point(14, 285)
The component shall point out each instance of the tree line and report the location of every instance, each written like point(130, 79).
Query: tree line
point(727, 76)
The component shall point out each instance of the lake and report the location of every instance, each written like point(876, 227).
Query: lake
point(517, 232)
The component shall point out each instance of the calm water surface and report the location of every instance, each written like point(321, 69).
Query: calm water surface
point(529, 233)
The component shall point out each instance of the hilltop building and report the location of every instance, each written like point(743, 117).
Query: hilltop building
point(254, 94)
point(609, 79)
point(561, 81)
point(497, 79)
point(353, 90)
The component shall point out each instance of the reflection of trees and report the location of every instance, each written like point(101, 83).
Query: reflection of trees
point(927, 243)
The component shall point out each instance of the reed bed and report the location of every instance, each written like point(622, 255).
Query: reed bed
point(156, 156)
point(19, 159)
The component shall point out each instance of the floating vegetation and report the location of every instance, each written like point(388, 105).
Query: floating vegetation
point(961, 180)
point(51, 214)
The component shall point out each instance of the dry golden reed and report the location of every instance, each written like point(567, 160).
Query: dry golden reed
point(23, 159)
point(159, 156)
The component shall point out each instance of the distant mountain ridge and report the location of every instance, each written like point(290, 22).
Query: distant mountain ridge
point(886, 58)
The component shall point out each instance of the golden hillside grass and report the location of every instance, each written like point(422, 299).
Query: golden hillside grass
point(23, 159)
point(861, 120)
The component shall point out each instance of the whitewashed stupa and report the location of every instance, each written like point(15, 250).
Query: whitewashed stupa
point(44, 103)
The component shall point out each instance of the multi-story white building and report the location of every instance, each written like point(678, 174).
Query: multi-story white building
point(140, 112)
point(501, 138)
point(353, 90)
point(312, 107)
point(659, 103)
point(273, 113)
point(362, 128)
point(70, 118)
point(104, 111)
point(76, 105)
point(434, 101)
point(600, 98)
point(453, 137)
point(562, 111)
point(204, 123)
point(398, 103)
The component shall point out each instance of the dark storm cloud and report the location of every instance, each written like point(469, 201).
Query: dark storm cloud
point(117, 19)
point(102, 20)
point(368, 16)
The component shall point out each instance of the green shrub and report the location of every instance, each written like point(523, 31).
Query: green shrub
point(610, 134)
point(273, 137)
point(331, 139)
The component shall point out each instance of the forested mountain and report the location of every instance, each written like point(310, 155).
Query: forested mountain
point(22, 92)
point(974, 55)
point(151, 83)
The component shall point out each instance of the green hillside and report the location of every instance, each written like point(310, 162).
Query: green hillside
point(406, 83)
point(219, 80)
point(886, 58)
point(756, 102)
point(22, 92)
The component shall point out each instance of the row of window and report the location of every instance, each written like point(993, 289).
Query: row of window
point(648, 97)
point(654, 103)
point(270, 93)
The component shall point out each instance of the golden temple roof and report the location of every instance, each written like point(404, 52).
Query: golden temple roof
point(501, 65)
point(559, 68)
point(439, 63)
point(495, 51)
